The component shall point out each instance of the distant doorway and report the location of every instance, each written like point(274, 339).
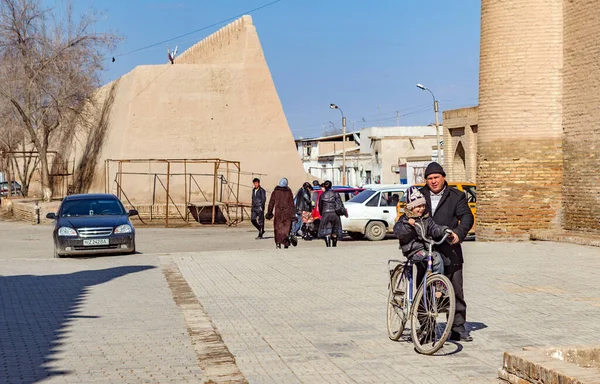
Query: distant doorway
point(458, 163)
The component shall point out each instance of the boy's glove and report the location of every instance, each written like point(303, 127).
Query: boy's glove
point(269, 216)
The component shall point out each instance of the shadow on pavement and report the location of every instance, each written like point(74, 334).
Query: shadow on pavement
point(35, 315)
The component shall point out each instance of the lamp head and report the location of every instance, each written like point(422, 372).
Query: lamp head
point(421, 86)
point(333, 106)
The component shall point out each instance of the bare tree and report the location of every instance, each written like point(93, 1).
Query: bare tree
point(49, 70)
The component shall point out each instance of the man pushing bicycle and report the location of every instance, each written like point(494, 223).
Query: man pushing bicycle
point(413, 225)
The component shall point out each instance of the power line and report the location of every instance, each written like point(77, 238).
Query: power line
point(200, 29)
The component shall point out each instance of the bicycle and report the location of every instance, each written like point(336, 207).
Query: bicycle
point(434, 297)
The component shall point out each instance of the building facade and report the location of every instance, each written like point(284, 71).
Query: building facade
point(460, 144)
point(375, 155)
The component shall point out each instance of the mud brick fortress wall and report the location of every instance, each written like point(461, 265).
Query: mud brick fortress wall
point(218, 100)
point(538, 125)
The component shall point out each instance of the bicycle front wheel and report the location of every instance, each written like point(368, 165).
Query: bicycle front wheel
point(432, 314)
point(397, 308)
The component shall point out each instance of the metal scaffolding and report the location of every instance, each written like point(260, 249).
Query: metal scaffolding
point(221, 172)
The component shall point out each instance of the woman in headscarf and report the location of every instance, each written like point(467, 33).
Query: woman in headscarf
point(282, 202)
point(331, 208)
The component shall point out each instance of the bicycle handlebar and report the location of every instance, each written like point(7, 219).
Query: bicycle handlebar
point(447, 233)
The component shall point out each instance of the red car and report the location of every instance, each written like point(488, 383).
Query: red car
point(346, 193)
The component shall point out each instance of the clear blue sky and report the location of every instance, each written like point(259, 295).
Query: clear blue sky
point(365, 56)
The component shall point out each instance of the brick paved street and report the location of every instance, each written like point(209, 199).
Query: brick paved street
point(315, 317)
point(297, 315)
point(109, 320)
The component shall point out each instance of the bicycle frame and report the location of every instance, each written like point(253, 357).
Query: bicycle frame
point(409, 266)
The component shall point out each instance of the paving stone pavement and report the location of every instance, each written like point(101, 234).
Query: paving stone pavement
point(92, 320)
point(298, 316)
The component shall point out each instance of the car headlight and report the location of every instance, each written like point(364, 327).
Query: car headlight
point(66, 231)
point(125, 228)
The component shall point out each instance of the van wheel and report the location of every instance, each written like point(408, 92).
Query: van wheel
point(375, 231)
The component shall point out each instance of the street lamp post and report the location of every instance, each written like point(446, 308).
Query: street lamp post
point(437, 130)
point(333, 106)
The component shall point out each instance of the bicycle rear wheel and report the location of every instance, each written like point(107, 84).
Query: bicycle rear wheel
point(433, 301)
point(397, 308)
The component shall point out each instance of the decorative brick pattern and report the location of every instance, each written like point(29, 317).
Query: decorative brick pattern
point(581, 116)
point(519, 142)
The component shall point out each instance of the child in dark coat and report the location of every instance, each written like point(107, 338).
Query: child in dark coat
point(411, 226)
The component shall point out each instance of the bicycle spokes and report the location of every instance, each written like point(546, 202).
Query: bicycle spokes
point(432, 314)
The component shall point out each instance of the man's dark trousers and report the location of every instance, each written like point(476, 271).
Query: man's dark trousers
point(258, 219)
point(455, 274)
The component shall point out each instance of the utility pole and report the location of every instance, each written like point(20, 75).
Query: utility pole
point(333, 106)
point(437, 131)
point(397, 118)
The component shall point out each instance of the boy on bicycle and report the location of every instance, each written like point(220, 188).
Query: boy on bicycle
point(413, 225)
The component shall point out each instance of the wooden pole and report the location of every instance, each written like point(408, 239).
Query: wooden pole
point(237, 196)
point(106, 176)
point(120, 178)
point(168, 185)
point(186, 190)
point(216, 170)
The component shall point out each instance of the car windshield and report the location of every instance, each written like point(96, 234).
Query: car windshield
point(92, 207)
point(363, 196)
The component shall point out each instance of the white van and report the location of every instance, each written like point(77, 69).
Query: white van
point(372, 212)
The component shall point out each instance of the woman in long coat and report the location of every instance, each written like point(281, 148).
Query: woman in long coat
point(331, 208)
point(282, 202)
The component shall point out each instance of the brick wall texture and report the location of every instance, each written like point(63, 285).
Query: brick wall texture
point(581, 120)
point(519, 141)
point(460, 144)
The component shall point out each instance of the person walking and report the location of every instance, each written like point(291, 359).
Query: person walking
point(448, 206)
point(281, 207)
point(257, 216)
point(304, 206)
point(331, 208)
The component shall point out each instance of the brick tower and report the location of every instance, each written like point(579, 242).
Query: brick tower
point(581, 89)
point(519, 142)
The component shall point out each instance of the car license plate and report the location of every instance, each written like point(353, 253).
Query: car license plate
point(92, 242)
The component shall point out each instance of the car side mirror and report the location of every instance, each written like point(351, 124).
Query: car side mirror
point(51, 215)
point(133, 212)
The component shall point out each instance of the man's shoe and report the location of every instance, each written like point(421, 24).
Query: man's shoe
point(456, 336)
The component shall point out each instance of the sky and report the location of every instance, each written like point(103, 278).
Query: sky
point(364, 56)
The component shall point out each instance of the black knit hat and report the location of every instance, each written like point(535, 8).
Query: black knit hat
point(434, 168)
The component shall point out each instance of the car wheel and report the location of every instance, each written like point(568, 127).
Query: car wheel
point(375, 231)
point(356, 235)
point(56, 254)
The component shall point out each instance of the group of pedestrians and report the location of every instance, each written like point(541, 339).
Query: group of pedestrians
point(291, 218)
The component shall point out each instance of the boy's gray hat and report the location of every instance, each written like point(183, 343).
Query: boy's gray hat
point(414, 198)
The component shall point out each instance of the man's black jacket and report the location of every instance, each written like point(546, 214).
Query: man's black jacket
point(452, 211)
point(259, 198)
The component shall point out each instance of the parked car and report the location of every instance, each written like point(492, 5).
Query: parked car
point(92, 224)
point(15, 188)
point(346, 193)
point(470, 190)
point(372, 212)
